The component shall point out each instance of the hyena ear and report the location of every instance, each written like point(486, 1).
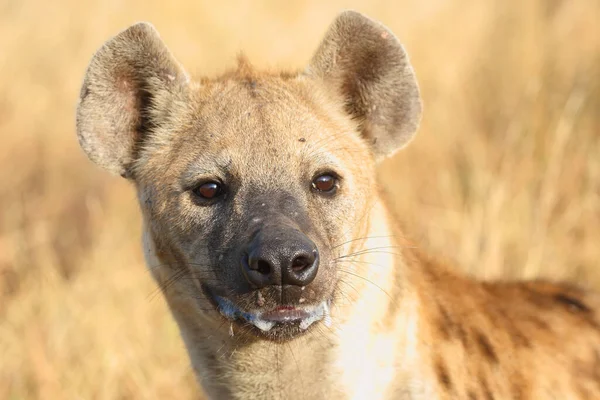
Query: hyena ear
point(127, 89)
point(364, 62)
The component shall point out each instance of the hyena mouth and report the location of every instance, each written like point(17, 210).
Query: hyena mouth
point(302, 317)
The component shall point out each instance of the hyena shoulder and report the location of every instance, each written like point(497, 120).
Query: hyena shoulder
point(541, 337)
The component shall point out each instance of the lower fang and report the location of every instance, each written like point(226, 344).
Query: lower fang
point(231, 329)
point(322, 312)
point(263, 325)
point(308, 322)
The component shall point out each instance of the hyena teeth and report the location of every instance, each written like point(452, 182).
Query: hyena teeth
point(263, 325)
point(322, 311)
point(230, 311)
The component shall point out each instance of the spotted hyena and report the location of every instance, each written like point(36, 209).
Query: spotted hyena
point(278, 256)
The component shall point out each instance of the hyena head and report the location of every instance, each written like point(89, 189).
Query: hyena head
point(249, 182)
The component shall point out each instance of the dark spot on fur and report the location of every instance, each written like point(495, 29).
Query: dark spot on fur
point(472, 395)
point(396, 293)
point(573, 304)
point(488, 393)
point(577, 307)
point(445, 323)
point(517, 390)
point(302, 140)
point(485, 387)
point(486, 347)
point(540, 323)
point(587, 369)
point(518, 339)
point(449, 329)
point(583, 392)
point(442, 375)
point(463, 336)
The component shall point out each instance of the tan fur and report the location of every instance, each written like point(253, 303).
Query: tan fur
point(404, 326)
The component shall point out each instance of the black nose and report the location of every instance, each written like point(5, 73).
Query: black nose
point(280, 256)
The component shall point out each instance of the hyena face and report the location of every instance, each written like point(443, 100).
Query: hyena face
point(253, 183)
point(257, 188)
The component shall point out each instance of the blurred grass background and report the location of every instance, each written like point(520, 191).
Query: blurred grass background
point(503, 178)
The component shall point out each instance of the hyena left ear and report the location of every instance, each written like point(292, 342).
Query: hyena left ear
point(364, 62)
point(127, 92)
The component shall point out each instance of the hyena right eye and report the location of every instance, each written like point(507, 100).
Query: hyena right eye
point(325, 183)
point(208, 190)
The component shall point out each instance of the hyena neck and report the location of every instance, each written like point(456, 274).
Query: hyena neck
point(370, 351)
point(388, 363)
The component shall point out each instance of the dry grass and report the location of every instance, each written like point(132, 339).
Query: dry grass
point(504, 177)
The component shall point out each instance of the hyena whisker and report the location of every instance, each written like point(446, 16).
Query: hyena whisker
point(368, 281)
point(359, 262)
point(343, 298)
point(333, 329)
point(175, 265)
point(360, 220)
point(372, 250)
point(181, 273)
point(343, 293)
point(162, 286)
point(361, 238)
point(210, 336)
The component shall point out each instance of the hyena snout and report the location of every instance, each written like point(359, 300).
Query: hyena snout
point(280, 256)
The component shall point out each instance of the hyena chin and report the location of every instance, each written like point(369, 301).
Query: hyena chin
point(268, 235)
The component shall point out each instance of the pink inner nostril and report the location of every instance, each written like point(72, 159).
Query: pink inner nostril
point(300, 263)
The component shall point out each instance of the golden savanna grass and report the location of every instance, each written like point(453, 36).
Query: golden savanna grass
point(503, 178)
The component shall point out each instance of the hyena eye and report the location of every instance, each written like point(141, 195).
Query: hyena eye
point(325, 183)
point(208, 190)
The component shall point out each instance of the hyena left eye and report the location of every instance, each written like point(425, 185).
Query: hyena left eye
point(208, 190)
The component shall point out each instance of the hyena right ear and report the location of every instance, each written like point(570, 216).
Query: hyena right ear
point(363, 62)
point(129, 85)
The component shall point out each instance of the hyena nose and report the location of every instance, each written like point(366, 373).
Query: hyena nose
point(280, 257)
